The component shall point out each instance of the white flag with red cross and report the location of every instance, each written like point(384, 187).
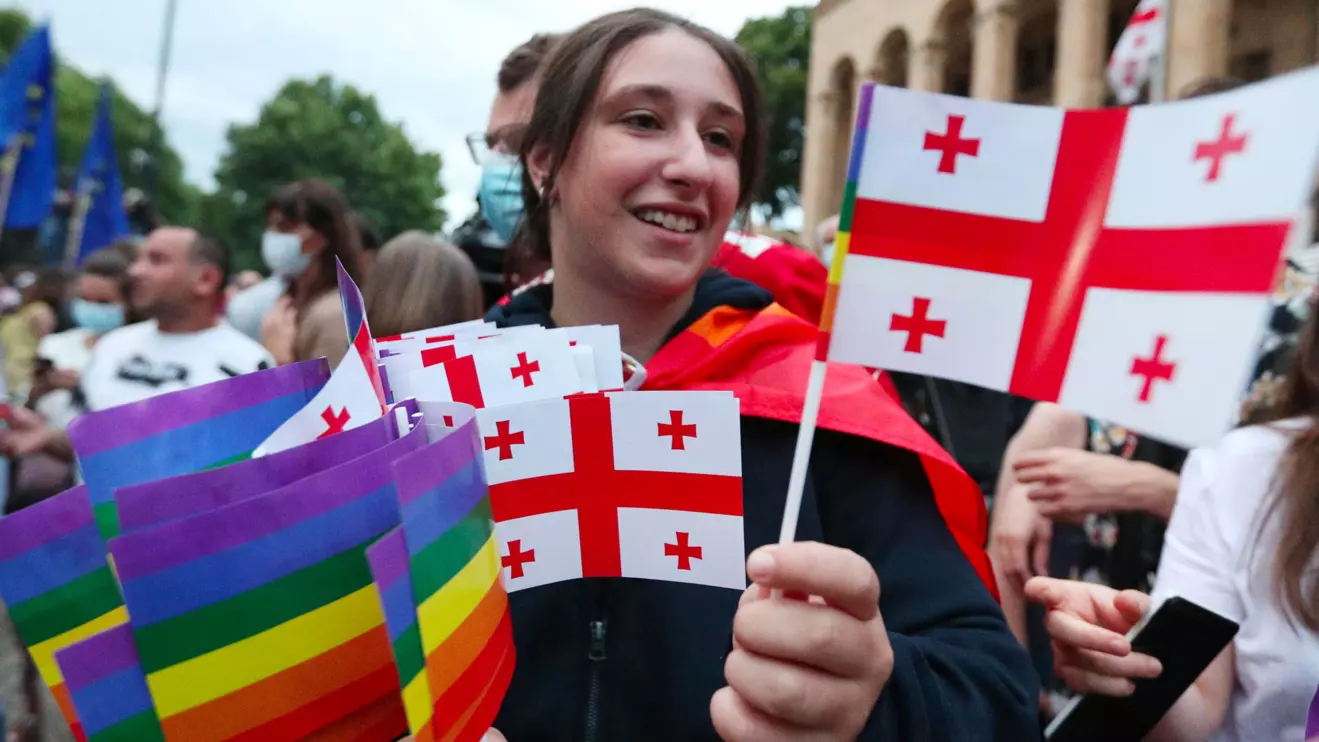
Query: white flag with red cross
point(435, 334)
point(626, 484)
point(1138, 49)
point(1117, 261)
point(527, 368)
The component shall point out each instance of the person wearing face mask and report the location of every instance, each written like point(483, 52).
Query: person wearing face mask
point(308, 227)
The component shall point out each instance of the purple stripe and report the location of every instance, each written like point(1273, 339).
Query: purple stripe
point(98, 657)
point(154, 549)
point(165, 500)
point(859, 134)
point(1312, 722)
point(354, 313)
point(388, 558)
point(96, 432)
point(47, 521)
point(384, 381)
point(419, 473)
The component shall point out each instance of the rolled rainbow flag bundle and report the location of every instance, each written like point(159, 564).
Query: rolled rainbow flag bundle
point(388, 559)
point(108, 689)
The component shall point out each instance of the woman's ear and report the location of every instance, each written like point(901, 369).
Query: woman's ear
point(538, 167)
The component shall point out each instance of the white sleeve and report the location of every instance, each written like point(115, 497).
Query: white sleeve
point(1199, 552)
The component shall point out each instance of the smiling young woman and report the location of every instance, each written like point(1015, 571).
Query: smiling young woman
point(646, 139)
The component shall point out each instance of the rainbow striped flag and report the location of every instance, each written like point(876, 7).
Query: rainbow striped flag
point(462, 609)
point(259, 620)
point(164, 500)
point(57, 584)
point(108, 688)
point(389, 568)
point(186, 431)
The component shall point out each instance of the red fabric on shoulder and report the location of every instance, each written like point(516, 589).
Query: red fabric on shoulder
point(796, 278)
point(765, 357)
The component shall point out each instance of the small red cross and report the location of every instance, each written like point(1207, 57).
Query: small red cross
point(677, 430)
point(684, 551)
point(918, 325)
point(504, 440)
point(525, 370)
point(448, 421)
point(952, 144)
point(516, 557)
point(1143, 17)
point(1153, 368)
point(335, 421)
point(1227, 144)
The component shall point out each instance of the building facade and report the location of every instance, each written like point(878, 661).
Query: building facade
point(1029, 51)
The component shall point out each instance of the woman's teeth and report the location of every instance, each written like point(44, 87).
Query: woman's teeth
point(673, 222)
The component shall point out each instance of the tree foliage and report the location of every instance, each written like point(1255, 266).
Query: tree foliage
point(135, 131)
point(781, 46)
point(317, 128)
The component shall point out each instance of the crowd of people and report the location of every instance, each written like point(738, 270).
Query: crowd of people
point(614, 161)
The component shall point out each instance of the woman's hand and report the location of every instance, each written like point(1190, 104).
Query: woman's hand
point(1069, 484)
point(811, 663)
point(278, 329)
point(1088, 624)
point(1019, 537)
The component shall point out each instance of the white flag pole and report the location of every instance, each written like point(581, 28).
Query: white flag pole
point(801, 457)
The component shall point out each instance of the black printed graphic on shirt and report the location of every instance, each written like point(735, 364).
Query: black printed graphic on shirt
point(142, 370)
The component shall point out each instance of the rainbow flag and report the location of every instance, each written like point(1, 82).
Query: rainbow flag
point(186, 431)
point(462, 609)
point(56, 581)
point(108, 688)
point(389, 568)
point(259, 620)
point(164, 500)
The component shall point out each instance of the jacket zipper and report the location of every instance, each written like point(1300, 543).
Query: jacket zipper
point(597, 656)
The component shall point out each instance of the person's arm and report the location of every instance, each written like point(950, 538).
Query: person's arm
point(322, 333)
point(958, 672)
point(1199, 712)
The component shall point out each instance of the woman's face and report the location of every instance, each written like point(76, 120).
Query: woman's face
point(312, 241)
point(652, 178)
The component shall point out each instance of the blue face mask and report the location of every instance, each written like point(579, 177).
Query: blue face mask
point(96, 317)
point(501, 194)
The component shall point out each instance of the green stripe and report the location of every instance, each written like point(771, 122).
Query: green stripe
point(209, 628)
point(107, 519)
point(67, 607)
point(436, 564)
point(409, 657)
point(143, 727)
point(230, 460)
point(849, 205)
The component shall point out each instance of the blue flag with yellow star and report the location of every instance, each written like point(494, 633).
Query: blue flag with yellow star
point(27, 130)
point(100, 190)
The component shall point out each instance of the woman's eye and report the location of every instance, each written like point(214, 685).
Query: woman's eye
point(642, 120)
point(720, 139)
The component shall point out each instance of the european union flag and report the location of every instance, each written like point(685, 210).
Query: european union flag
point(99, 210)
point(27, 131)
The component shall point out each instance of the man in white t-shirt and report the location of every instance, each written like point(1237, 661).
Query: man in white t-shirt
point(178, 280)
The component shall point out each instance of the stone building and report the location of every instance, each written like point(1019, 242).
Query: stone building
point(1029, 51)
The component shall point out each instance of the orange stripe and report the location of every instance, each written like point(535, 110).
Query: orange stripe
point(427, 734)
point(454, 654)
point(475, 678)
point(382, 719)
point(830, 306)
point(65, 702)
point(720, 324)
point(279, 694)
point(334, 713)
point(477, 720)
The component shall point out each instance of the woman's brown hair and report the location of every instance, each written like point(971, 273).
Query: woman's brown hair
point(421, 282)
point(323, 208)
point(570, 80)
point(1296, 493)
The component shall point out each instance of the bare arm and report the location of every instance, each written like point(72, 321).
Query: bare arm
point(1199, 712)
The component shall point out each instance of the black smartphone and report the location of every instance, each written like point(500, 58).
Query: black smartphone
point(1185, 638)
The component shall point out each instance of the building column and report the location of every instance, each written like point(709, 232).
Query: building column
point(994, 52)
point(1198, 44)
point(1082, 53)
point(817, 169)
point(928, 63)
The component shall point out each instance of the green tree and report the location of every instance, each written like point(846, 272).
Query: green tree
point(781, 46)
point(317, 128)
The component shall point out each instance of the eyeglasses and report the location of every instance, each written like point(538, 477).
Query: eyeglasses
point(505, 141)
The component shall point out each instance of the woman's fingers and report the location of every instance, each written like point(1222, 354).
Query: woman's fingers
point(1074, 631)
point(1131, 667)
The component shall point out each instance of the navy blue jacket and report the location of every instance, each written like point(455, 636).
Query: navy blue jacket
point(618, 659)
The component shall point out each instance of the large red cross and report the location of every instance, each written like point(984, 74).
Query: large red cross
point(679, 432)
point(504, 440)
point(1153, 368)
point(918, 325)
point(951, 144)
point(516, 557)
point(1227, 144)
point(1071, 251)
point(335, 421)
point(683, 550)
point(525, 369)
point(596, 490)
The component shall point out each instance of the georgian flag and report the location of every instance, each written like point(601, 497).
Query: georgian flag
point(527, 367)
point(1141, 44)
point(626, 484)
point(1116, 261)
point(435, 334)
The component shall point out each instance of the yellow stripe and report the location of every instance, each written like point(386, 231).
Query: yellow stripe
point(841, 241)
point(442, 613)
point(417, 702)
point(43, 654)
point(219, 673)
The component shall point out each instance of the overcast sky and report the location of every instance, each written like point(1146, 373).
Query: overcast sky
point(430, 63)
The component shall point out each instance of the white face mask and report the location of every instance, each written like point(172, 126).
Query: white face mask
point(283, 254)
